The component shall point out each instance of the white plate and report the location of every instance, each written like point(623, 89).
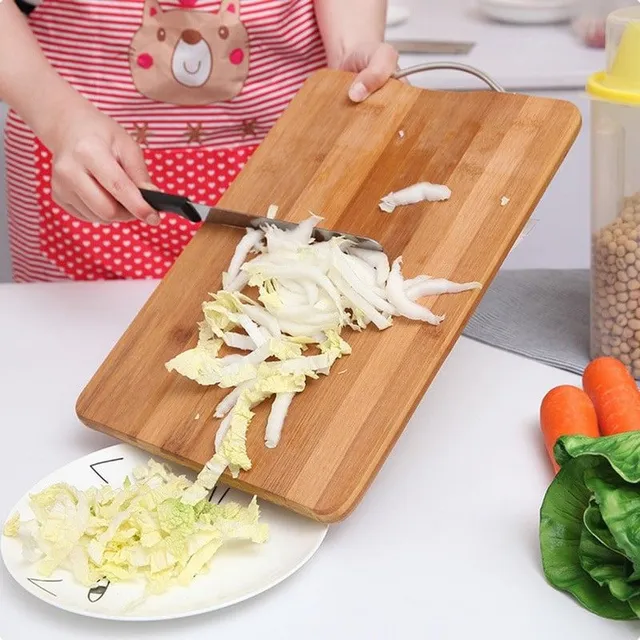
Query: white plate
point(529, 11)
point(396, 14)
point(236, 573)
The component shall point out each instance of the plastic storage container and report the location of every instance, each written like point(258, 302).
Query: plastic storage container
point(590, 19)
point(615, 194)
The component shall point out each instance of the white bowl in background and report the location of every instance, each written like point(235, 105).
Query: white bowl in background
point(396, 14)
point(529, 11)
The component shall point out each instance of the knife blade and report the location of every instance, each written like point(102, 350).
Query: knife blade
point(432, 47)
point(203, 213)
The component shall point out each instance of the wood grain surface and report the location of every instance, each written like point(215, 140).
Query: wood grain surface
point(337, 159)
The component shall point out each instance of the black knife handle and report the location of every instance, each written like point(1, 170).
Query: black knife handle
point(169, 202)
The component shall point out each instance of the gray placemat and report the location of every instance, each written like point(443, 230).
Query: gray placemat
point(540, 314)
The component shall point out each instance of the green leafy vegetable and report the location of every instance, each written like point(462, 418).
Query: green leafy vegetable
point(622, 452)
point(596, 525)
point(590, 524)
point(607, 567)
point(620, 509)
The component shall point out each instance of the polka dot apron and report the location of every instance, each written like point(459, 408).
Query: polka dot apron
point(198, 84)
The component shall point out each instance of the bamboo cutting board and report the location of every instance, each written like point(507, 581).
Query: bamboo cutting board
point(338, 159)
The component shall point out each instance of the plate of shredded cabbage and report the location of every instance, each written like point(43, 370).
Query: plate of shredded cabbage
point(109, 536)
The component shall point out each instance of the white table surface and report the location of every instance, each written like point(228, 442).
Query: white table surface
point(444, 545)
point(520, 57)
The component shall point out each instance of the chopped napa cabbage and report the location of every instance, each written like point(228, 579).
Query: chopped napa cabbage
point(364, 289)
point(335, 344)
point(263, 318)
point(149, 528)
point(12, 526)
point(251, 239)
point(234, 444)
point(307, 292)
point(237, 284)
point(401, 301)
point(238, 341)
point(375, 259)
point(436, 286)
point(285, 349)
point(358, 302)
point(229, 401)
point(200, 363)
point(222, 429)
point(269, 295)
point(276, 419)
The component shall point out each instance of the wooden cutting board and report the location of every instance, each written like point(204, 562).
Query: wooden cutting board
point(337, 159)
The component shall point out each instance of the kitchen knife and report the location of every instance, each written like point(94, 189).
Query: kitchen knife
point(202, 213)
point(432, 47)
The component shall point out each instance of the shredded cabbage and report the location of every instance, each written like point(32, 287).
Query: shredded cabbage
point(148, 528)
point(12, 526)
point(276, 418)
point(308, 292)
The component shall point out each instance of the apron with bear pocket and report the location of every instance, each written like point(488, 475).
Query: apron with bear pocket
point(197, 83)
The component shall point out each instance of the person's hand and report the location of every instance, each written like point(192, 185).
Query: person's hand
point(374, 64)
point(97, 169)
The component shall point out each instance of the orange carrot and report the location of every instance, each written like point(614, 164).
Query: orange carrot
point(614, 394)
point(565, 411)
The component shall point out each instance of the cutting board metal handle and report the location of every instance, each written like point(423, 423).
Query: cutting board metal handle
point(455, 66)
point(171, 203)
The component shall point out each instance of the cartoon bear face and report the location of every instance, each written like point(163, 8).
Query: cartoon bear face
point(188, 57)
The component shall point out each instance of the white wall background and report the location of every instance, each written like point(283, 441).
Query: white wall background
point(559, 240)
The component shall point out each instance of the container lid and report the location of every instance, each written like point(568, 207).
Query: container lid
point(621, 80)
